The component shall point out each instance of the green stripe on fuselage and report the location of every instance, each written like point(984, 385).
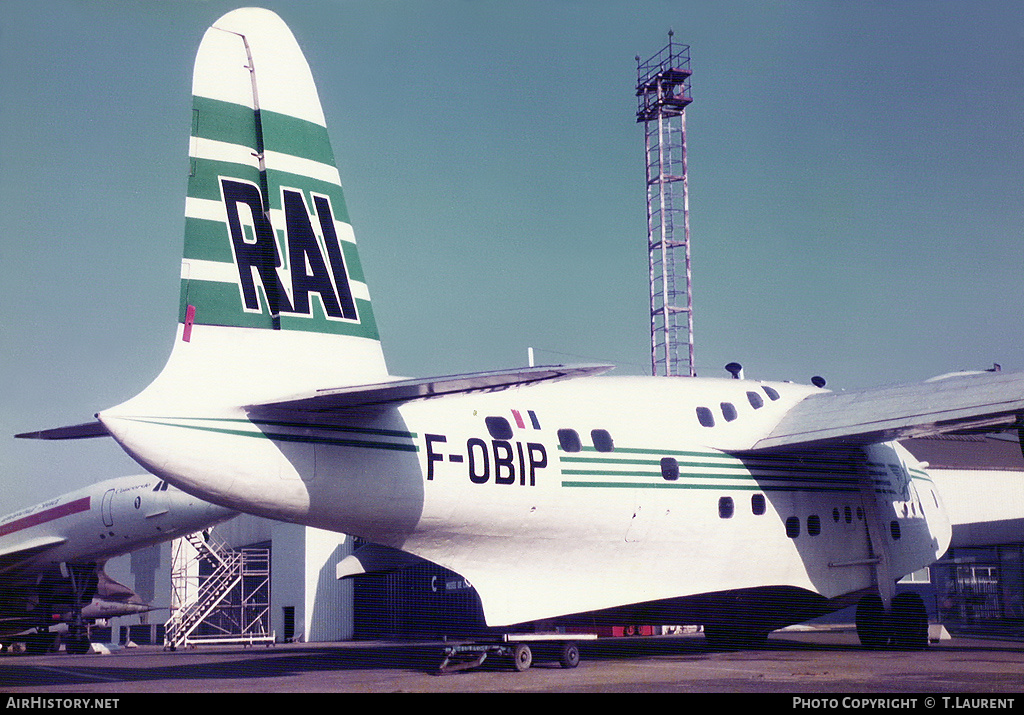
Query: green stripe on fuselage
point(762, 473)
point(720, 487)
point(322, 437)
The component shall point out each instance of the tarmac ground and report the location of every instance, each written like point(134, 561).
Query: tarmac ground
point(817, 663)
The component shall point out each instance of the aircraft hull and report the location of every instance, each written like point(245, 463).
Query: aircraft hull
point(540, 531)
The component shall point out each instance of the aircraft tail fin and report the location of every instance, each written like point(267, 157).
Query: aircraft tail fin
point(272, 289)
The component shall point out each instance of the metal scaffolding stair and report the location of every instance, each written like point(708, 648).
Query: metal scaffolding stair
point(224, 596)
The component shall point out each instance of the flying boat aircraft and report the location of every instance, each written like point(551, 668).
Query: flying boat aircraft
point(52, 556)
point(561, 494)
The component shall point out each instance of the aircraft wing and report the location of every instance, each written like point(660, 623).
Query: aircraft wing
point(14, 556)
point(387, 393)
point(950, 404)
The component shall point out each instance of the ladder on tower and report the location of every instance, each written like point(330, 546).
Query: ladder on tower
point(663, 93)
point(231, 598)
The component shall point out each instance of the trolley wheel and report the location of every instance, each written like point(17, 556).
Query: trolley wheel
point(570, 655)
point(522, 657)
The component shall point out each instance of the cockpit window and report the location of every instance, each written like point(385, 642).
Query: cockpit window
point(771, 392)
point(755, 400)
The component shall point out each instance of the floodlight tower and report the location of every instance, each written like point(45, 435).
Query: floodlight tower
point(663, 92)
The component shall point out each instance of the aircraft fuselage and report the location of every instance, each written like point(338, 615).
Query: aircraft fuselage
point(605, 490)
point(104, 520)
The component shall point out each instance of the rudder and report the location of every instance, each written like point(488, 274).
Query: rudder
point(268, 243)
point(273, 301)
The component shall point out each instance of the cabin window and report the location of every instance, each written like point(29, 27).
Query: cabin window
point(498, 427)
point(602, 440)
point(669, 468)
point(860, 513)
point(705, 417)
point(835, 515)
point(755, 400)
point(725, 507)
point(771, 392)
point(793, 527)
point(569, 440)
point(813, 525)
point(894, 529)
point(728, 411)
point(757, 504)
point(848, 514)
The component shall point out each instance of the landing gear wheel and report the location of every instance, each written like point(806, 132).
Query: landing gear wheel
point(570, 655)
point(77, 645)
point(909, 622)
point(872, 622)
point(40, 643)
point(522, 657)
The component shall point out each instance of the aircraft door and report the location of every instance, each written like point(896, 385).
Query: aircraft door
point(108, 508)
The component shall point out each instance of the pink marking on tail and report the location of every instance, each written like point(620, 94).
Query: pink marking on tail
point(190, 315)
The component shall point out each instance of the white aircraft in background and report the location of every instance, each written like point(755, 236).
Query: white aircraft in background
point(561, 496)
point(52, 555)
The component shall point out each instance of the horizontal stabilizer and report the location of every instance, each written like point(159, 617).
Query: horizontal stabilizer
point(950, 404)
point(81, 431)
point(387, 393)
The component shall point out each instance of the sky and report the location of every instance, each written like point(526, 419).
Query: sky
point(856, 178)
